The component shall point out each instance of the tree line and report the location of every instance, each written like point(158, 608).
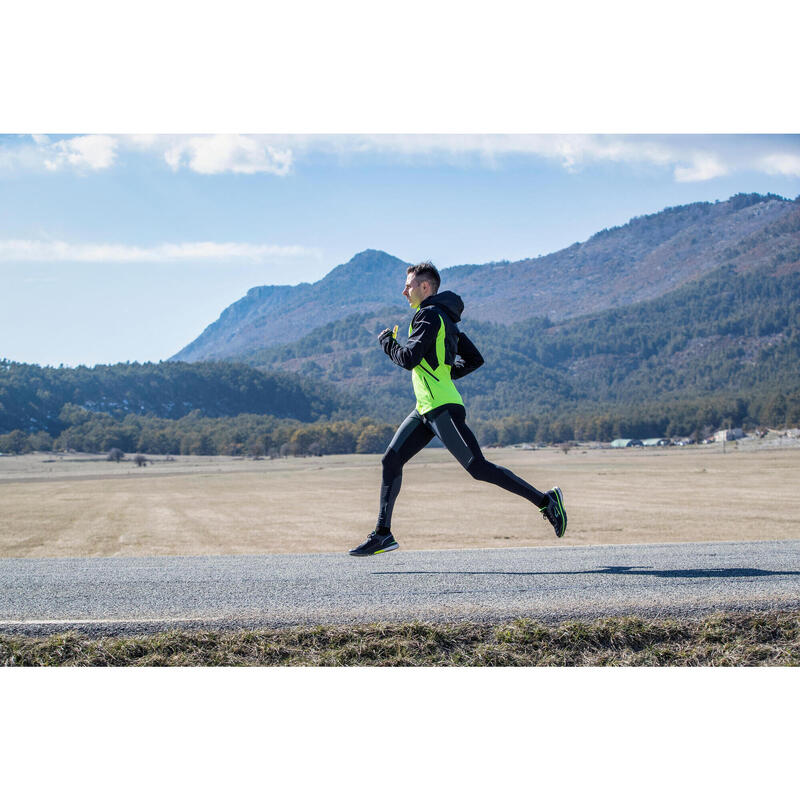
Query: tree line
point(264, 435)
point(243, 434)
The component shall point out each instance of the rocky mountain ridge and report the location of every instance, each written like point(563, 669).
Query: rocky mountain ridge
point(643, 259)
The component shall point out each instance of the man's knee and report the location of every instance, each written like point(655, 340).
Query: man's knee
point(391, 462)
point(480, 469)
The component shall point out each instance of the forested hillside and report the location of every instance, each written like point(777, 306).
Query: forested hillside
point(727, 335)
point(33, 398)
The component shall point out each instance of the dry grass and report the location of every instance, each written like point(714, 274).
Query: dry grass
point(763, 639)
point(219, 505)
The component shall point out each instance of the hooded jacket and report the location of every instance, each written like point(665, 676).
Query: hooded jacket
point(436, 352)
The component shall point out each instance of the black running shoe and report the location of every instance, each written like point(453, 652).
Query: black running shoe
point(554, 511)
point(376, 543)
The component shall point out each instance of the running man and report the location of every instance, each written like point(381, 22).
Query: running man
point(437, 353)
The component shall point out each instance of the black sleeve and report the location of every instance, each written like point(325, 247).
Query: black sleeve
point(468, 360)
point(423, 335)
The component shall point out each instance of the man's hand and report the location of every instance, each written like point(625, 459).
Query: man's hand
point(384, 333)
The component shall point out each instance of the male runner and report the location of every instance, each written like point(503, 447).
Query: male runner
point(438, 353)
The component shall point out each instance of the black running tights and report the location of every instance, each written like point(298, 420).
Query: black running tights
point(447, 423)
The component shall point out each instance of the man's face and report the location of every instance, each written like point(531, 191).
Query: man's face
point(416, 291)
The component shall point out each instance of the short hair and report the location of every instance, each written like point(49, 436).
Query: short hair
point(425, 271)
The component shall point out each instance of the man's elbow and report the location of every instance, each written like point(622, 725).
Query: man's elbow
point(406, 358)
point(410, 362)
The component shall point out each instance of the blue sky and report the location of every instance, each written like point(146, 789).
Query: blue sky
point(116, 248)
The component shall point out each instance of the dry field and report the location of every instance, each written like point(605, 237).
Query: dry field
point(86, 506)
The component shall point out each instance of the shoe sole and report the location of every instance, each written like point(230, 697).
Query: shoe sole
point(560, 498)
point(383, 550)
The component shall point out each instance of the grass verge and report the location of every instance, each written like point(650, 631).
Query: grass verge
point(724, 639)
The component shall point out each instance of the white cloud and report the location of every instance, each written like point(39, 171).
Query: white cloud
point(689, 157)
point(92, 151)
point(702, 168)
point(782, 164)
point(211, 155)
point(27, 250)
point(143, 141)
point(206, 155)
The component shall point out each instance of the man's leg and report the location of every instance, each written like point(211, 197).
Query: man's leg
point(412, 435)
point(449, 424)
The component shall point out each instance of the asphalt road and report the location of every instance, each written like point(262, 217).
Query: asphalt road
point(136, 595)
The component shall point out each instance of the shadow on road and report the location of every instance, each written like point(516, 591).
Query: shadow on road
point(719, 572)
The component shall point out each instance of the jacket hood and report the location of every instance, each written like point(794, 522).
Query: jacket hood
point(449, 301)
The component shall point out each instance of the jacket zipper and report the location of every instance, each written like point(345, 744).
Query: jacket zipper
point(427, 387)
point(429, 373)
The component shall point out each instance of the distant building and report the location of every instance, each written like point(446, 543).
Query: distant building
point(626, 443)
point(728, 435)
point(656, 442)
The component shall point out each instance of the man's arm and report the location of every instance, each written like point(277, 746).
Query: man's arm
point(423, 335)
point(469, 359)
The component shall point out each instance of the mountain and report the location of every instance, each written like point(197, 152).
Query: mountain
point(277, 314)
point(647, 257)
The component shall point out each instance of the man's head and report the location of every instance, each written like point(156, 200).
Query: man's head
point(422, 280)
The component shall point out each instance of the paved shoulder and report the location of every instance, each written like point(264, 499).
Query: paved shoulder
point(125, 595)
